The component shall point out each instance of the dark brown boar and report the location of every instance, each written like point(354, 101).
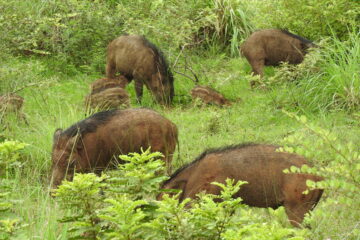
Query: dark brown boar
point(209, 95)
point(269, 47)
point(105, 83)
point(137, 58)
point(258, 164)
point(95, 143)
point(109, 98)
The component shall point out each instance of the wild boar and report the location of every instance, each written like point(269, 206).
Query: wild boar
point(105, 83)
point(209, 95)
point(258, 164)
point(95, 143)
point(11, 102)
point(109, 98)
point(269, 47)
point(137, 58)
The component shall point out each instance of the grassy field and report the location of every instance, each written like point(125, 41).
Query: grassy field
point(57, 100)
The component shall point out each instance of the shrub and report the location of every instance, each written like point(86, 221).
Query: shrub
point(10, 157)
point(326, 79)
point(339, 163)
point(82, 196)
point(125, 210)
point(313, 19)
point(75, 32)
point(10, 225)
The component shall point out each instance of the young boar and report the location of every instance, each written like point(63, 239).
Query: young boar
point(109, 98)
point(95, 143)
point(11, 102)
point(269, 47)
point(209, 96)
point(258, 164)
point(105, 83)
point(137, 58)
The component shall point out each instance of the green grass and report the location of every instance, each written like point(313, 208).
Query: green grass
point(58, 101)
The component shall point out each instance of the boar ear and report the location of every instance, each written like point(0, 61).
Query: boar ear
point(57, 134)
point(75, 143)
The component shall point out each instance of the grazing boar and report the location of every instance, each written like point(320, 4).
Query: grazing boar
point(95, 143)
point(109, 98)
point(269, 47)
point(137, 58)
point(11, 102)
point(105, 83)
point(209, 95)
point(258, 164)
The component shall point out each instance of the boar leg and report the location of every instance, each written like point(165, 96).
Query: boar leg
point(168, 160)
point(296, 203)
point(139, 90)
point(296, 212)
point(110, 70)
point(258, 66)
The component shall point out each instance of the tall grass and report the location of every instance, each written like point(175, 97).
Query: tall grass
point(233, 23)
point(328, 79)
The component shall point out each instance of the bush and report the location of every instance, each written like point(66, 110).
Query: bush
point(77, 32)
point(339, 163)
point(129, 212)
point(10, 225)
point(327, 79)
point(313, 19)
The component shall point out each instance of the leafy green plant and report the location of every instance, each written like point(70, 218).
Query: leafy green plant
point(326, 79)
point(10, 151)
point(338, 162)
point(344, 180)
point(139, 176)
point(10, 156)
point(304, 18)
point(125, 219)
point(232, 23)
point(74, 32)
point(206, 219)
point(82, 197)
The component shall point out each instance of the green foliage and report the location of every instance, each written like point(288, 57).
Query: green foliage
point(77, 32)
point(125, 219)
point(326, 79)
point(344, 179)
point(82, 197)
point(313, 19)
point(228, 24)
point(126, 214)
point(139, 175)
point(10, 156)
point(9, 160)
point(338, 162)
point(73, 31)
point(116, 204)
point(209, 218)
